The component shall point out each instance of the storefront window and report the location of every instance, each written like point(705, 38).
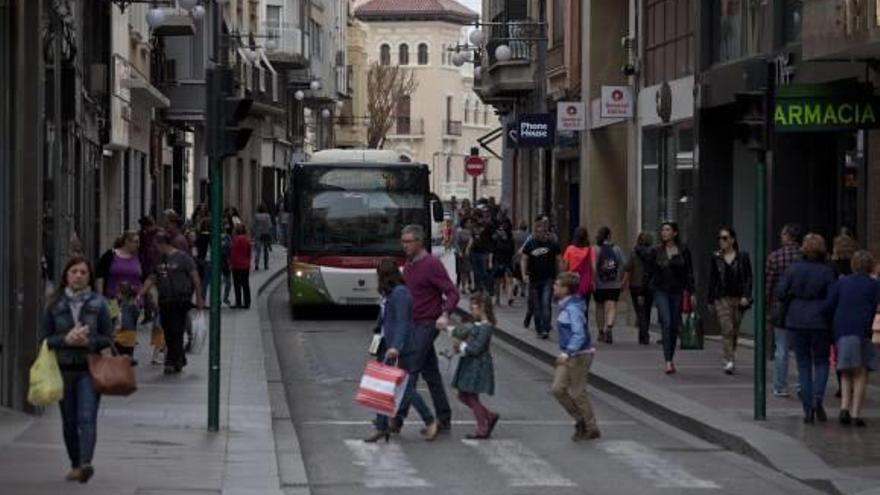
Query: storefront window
point(792, 21)
point(669, 40)
point(668, 177)
point(729, 19)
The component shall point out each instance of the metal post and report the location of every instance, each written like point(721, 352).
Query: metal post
point(474, 192)
point(760, 301)
point(216, 177)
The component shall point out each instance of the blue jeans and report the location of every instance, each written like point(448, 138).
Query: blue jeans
point(413, 398)
point(782, 338)
point(812, 348)
point(424, 363)
point(480, 265)
point(79, 414)
point(541, 292)
point(262, 246)
point(669, 312)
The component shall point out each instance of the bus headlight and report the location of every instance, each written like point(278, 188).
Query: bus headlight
point(310, 274)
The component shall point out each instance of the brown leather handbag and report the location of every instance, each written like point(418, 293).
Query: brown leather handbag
point(112, 375)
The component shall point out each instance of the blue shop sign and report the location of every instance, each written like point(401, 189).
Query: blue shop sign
point(532, 130)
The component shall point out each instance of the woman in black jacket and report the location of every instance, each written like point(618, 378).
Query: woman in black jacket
point(730, 291)
point(76, 323)
point(670, 274)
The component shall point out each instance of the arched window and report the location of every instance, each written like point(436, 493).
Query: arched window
point(385, 54)
point(477, 112)
point(403, 57)
point(485, 115)
point(448, 168)
point(467, 110)
point(423, 54)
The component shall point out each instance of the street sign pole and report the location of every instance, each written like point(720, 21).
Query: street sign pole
point(760, 320)
point(213, 123)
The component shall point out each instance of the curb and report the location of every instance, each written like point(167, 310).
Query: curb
point(615, 383)
point(288, 452)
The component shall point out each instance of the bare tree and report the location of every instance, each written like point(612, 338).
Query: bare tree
point(387, 86)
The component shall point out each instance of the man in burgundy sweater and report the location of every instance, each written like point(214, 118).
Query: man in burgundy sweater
point(434, 297)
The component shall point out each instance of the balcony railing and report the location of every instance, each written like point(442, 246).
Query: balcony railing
point(517, 35)
point(406, 126)
point(452, 127)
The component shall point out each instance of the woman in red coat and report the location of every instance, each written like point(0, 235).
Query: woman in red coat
point(240, 263)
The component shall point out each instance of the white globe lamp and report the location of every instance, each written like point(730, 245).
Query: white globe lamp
point(325, 113)
point(503, 53)
point(271, 43)
point(458, 59)
point(315, 85)
point(187, 4)
point(155, 17)
point(198, 12)
point(476, 37)
point(340, 104)
point(299, 95)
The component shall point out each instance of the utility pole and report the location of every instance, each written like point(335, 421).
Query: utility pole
point(224, 139)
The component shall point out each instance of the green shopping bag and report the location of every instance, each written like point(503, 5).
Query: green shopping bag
point(691, 335)
point(46, 385)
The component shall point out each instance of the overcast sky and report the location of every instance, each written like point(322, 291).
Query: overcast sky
point(475, 5)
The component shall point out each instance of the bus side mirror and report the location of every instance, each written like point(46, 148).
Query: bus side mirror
point(437, 211)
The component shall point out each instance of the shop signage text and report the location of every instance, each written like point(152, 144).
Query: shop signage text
point(617, 102)
point(570, 116)
point(804, 114)
point(533, 130)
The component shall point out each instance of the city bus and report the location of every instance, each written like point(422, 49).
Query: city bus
point(347, 208)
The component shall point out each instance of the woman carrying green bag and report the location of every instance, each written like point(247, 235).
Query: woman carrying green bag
point(76, 323)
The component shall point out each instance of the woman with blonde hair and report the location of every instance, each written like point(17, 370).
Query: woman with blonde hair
point(802, 292)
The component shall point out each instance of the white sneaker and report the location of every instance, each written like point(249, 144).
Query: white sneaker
point(729, 368)
point(158, 357)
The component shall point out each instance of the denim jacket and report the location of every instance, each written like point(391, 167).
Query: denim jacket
point(58, 320)
point(574, 336)
point(396, 320)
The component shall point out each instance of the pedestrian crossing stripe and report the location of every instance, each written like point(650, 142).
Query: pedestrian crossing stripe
point(520, 465)
point(385, 466)
point(648, 464)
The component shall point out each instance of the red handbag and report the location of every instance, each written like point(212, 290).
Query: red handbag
point(687, 305)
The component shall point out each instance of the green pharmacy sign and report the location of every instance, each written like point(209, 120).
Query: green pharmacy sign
point(825, 108)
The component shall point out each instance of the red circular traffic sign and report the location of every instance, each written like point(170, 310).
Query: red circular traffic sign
point(474, 166)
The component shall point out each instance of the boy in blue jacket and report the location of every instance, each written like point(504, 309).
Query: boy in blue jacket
point(575, 358)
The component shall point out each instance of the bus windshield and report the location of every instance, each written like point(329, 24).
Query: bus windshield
point(350, 210)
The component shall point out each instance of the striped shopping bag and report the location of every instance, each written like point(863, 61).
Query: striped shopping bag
point(382, 388)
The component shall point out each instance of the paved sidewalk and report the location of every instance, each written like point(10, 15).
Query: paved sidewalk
point(703, 401)
point(156, 442)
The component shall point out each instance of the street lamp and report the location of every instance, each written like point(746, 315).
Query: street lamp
point(155, 17)
point(187, 5)
point(340, 104)
point(198, 12)
point(325, 113)
point(477, 37)
point(315, 85)
point(299, 95)
point(503, 53)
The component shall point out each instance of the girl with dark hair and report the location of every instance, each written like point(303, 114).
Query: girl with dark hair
point(120, 266)
point(670, 274)
point(608, 283)
point(633, 279)
point(475, 373)
point(76, 323)
point(396, 322)
point(240, 264)
point(502, 261)
point(730, 291)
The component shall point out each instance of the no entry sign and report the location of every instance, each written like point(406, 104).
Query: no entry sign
point(474, 166)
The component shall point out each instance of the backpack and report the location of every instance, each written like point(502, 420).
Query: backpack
point(608, 267)
point(173, 285)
